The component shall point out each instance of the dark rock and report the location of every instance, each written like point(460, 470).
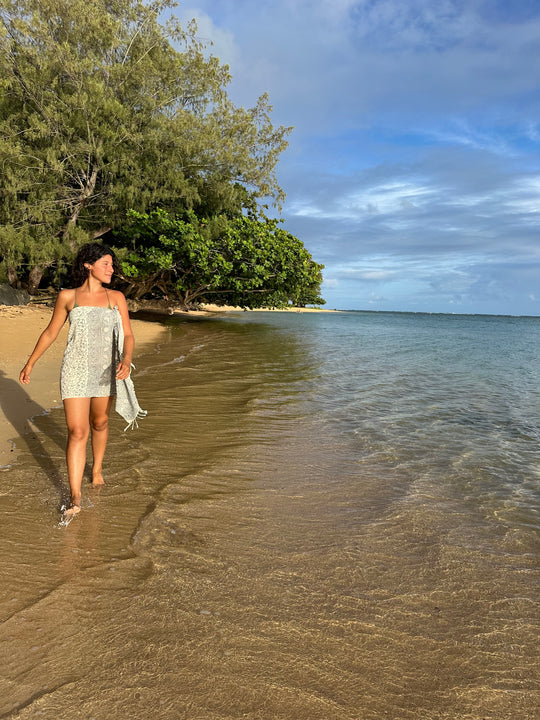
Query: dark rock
point(10, 296)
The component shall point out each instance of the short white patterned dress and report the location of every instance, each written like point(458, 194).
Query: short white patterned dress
point(94, 348)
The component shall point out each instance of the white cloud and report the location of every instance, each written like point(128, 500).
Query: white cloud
point(375, 275)
point(394, 197)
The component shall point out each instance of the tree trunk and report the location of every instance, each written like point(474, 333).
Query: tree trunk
point(101, 231)
point(36, 273)
point(13, 278)
point(83, 197)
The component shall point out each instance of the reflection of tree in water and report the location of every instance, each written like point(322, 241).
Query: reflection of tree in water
point(17, 407)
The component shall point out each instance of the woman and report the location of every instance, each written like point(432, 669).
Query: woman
point(98, 355)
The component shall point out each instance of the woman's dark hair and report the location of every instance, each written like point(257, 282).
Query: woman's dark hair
point(89, 253)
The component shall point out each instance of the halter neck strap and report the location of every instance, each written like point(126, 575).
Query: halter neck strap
point(109, 306)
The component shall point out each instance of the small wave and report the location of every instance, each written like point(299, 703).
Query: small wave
point(174, 361)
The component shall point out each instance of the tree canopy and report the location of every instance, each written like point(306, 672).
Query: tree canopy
point(244, 261)
point(104, 109)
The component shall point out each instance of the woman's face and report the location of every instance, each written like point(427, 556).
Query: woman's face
point(102, 269)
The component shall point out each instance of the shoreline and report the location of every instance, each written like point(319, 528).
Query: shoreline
point(209, 307)
point(211, 310)
point(20, 327)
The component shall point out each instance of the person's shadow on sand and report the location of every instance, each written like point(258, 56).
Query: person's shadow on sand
point(18, 407)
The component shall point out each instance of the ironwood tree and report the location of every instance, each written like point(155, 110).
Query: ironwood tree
point(103, 108)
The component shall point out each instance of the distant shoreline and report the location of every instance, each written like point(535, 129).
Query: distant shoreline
point(161, 307)
point(209, 307)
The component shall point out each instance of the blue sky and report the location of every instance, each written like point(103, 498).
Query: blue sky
point(413, 171)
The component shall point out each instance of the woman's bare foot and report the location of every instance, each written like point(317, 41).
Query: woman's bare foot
point(97, 478)
point(74, 507)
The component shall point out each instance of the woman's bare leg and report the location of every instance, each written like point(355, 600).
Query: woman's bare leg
point(78, 423)
point(100, 409)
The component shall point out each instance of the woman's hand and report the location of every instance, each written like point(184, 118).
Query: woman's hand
point(123, 370)
point(24, 376)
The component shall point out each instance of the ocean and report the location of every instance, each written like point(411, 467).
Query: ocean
point(324, 515)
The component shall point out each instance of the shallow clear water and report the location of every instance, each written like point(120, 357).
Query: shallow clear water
point(323, 516)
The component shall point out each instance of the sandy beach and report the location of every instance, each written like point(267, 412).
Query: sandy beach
point(20, 327)
point(209, 307)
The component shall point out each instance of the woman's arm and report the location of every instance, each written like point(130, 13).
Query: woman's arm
point(124, 366)
point(49, 335)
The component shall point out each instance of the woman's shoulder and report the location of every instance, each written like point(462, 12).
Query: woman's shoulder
point(66, 296)
point(116, 295)
point(117, 298)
